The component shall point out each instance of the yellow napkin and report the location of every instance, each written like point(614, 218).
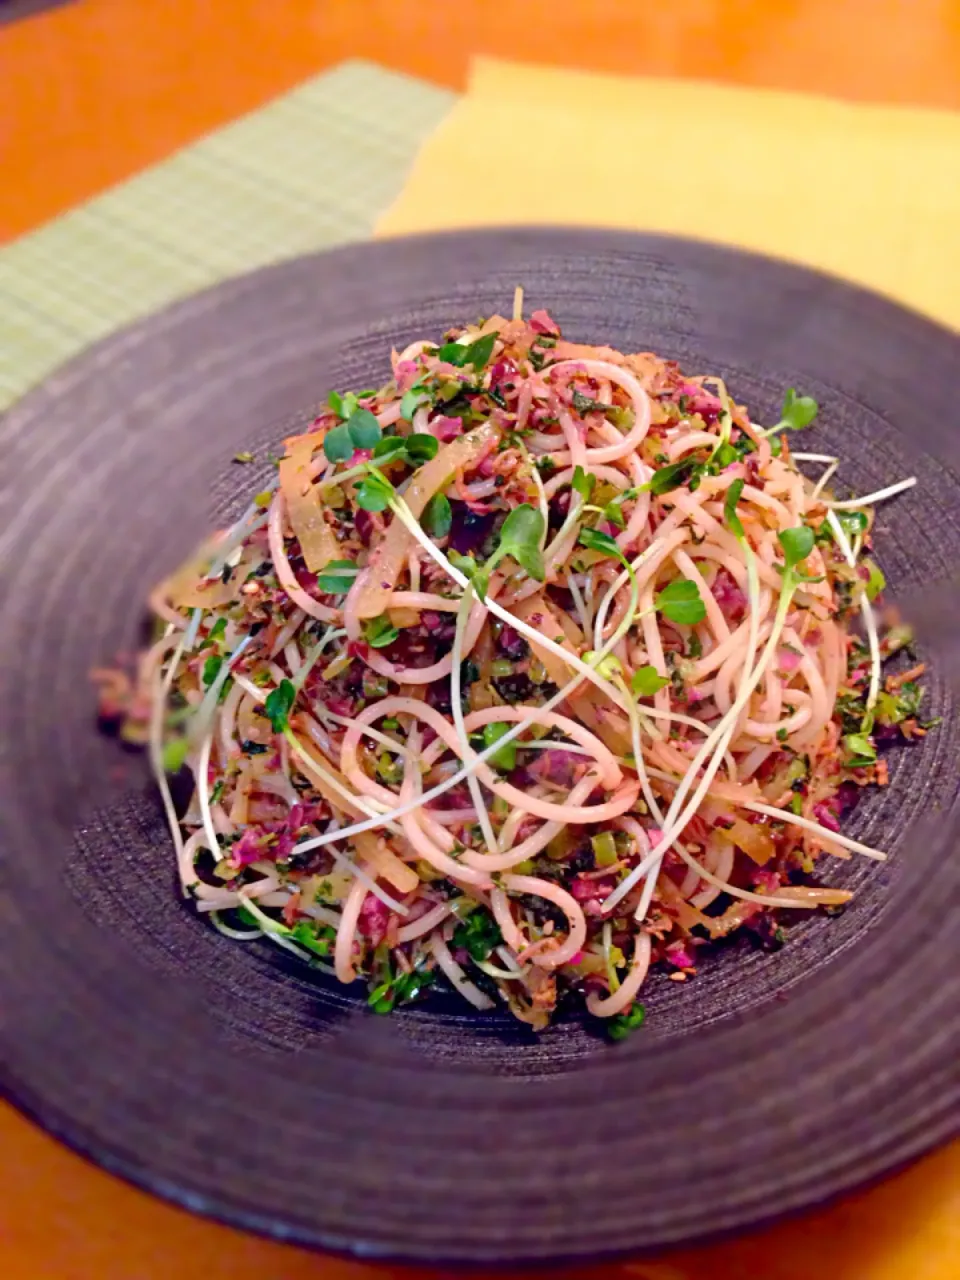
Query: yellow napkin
point(869, 193)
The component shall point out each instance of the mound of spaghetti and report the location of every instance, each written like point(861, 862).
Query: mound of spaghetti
point(537, 666)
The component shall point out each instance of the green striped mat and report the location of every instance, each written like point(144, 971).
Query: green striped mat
point(313, 169)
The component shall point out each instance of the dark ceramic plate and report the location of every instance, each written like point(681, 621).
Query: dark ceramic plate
point(241, 1086)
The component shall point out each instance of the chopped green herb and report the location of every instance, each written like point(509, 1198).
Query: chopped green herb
point(724, 455)
point(646, 681)
point(245, 456)
point(506, 757)
point(174, 754)
point(389, 769)
point(379, 632)
point(894, 708)
point(279, 704)
point(210, 669)
point(475, 353)
point(401, 988)
point(584, 404)
point(478, 934)
point(604, 849)
point(316, 937)
point(672, 476)
point(619, 1027)
point(876, 582)
point(217, 631)
point(583, 483)
point(860, 750)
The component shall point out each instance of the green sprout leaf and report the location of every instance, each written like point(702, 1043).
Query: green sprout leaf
point(466, 564)
point(520, 536)
point(681, 602)
point(279, 704)
point(614, 513)
point(389, 449)
point(412, 400)
point(364, 429)
point(506, 757)
point(796, 543)
point(374, 492)
point(421, 447)
point(646, 681)
point(797, 412)
point(338, 445)
point(730, 509)
point(852, 522)
point(583, 483)
point(475, 353)
point(437, 516)
point(379, 632)
point(336, 578)
point(594, 540)
point(724, 455)
point(244, 456)
point(608, 666)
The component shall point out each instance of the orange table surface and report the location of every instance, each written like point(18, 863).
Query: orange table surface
point(91, 93)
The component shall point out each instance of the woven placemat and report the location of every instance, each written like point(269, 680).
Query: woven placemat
point(312, 169)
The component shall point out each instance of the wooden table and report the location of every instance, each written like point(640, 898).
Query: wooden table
point(94, 91)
